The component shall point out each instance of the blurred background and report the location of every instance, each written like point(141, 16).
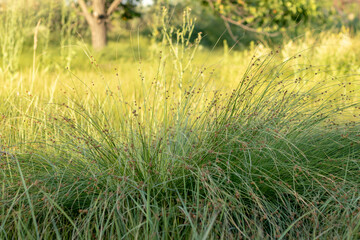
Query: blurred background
point(60, 25)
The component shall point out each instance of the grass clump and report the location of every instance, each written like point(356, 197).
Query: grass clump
point(275, 157)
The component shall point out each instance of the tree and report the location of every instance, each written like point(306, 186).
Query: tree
point(97, 14)
point(263, 17)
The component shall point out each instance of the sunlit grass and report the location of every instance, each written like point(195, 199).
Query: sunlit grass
point(262, 143)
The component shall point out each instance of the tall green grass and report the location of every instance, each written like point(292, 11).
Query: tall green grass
point(276, 156)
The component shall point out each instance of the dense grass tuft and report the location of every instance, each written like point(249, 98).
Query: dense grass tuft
point(276, 157)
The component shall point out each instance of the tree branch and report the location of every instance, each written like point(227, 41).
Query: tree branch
point(227, 25)
point(247, 28)
point(228, 20)
point(86, 13)
point(113, 7)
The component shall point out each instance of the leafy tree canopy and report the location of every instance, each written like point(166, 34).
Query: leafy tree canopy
point(263, 16)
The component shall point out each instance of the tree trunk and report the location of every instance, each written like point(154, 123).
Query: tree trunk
point(98, 26)
point(98, 35)
point(97, 20)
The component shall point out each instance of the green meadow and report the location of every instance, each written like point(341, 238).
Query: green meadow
point(169, 138)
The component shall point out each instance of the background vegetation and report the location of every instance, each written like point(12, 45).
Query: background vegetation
point(180, 128)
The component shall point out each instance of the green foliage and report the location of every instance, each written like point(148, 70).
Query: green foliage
point(126, 11)
point(264, 16)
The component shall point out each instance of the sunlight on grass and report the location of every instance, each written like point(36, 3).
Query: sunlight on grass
point(185, 142)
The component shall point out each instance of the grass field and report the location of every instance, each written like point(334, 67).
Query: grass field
point(178, 141)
